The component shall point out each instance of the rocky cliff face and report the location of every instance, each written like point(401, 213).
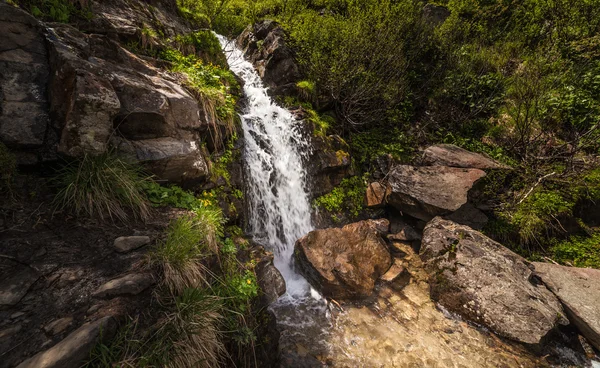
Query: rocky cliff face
point(69, 93)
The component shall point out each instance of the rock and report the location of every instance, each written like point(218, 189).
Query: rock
point(579, 291)
point(375, 195)
point(470, 216)
point(124, 244)
point(402, 231)
point(24, 71)
point(264, 45)
point(58, 326)
point(8, 332)
point(94, 308)
point(394, 272)
point(346, 262)
point(486, 283)
point(70, 352)
point(16, 315)
point(454, 156)
point(426, 192)
point(269, 278)
point(179, 161)
point(131, 284)
point(14, 286)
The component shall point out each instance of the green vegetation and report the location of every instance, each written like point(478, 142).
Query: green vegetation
point(578, 251)
point(104, 186)
point(56, 10)
point(347, 197)
point(216, 89)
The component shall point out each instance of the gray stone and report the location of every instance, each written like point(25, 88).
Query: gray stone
point(131, 284)
point(470, 216)
point(124, 244)
point(17, 315)
point(479, 279)
point(58, 326)
point(14, 287)
point(454, 156)
point(579, 291)
point(346, 262)
point(70, 352)
point(269, 279)
point(426, 192)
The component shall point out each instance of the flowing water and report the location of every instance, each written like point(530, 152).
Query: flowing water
point(400, 328)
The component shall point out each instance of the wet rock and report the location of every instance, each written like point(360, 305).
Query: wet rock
point(375, 195)
point(402, 231)
point(24, 71)
point(131, 284)
point(15, 285)
point(426, 192)
point(264, 45)
point(269, 278)
point(124, 244)
point(454, 156)
point(70, 352)
point(58, 326)
point(486, 283)
point(346, 262)
point(578, 289)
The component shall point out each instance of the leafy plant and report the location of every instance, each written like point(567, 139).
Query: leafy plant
point(348, 196)
point(103, 186)
point(578, 251)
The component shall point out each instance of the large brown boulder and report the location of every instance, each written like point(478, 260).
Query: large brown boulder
point(427, 192)
point(346, 262)
point(454, 156)
point(579, 291)
point(481, 280)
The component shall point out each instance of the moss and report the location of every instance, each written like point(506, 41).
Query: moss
point(578, 251)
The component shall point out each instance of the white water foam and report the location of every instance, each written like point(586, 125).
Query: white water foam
point(275, 152)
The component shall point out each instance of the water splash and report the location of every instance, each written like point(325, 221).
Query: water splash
point(275, 152)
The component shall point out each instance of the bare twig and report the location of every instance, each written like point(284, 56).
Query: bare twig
point(535, 185)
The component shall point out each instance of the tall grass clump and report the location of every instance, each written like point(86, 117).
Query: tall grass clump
point(103, 186)
point(189, 241)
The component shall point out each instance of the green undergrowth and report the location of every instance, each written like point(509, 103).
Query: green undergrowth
point(204, 44)
point(348, 197)
point(104, 186)
point(62, 11)
point(541, 218)
point(215, 87)
point(369, 145)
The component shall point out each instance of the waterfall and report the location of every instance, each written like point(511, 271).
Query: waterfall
point(275, 153)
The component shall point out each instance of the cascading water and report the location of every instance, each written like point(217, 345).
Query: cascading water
point(279, 207)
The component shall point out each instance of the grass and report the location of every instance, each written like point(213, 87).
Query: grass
point(189, 241)
point(103, 186)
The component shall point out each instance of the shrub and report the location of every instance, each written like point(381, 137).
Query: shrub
point(103, 186)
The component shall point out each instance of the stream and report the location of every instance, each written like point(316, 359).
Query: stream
point(397, 328)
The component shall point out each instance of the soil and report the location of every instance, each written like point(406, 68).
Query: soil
point(72, 257)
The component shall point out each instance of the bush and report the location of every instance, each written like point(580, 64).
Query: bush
point(349, 197)
point(103, 186)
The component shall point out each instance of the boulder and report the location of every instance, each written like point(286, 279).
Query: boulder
point(24, 71)
point(579, 291)
point(484, 282)
point(454, 156)
point(345, 263)
point(124, 244)
point(265, 46)
point(469, 215)
point(269, 278)
point(70, 352)
point(131, 284)
point(375, 195)
point(426, 192)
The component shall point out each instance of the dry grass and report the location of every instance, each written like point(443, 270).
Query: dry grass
point(103, 186)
